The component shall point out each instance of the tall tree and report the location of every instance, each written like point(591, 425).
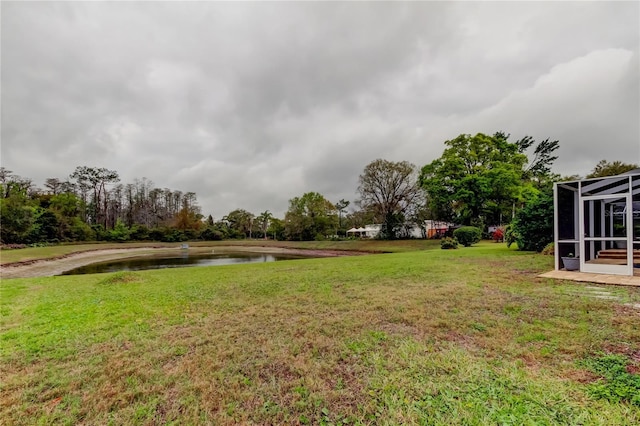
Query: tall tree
point(53, 185)
point(263, 222)
point(96, 179)
point(276, 228)
point(341, 207)
point(481, 179)
point(310, 217)
point(605, 168)
point(17, 210)
point(391, 190)
point(240, 222)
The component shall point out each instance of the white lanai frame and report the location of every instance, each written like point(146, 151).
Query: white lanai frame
point(599, 220)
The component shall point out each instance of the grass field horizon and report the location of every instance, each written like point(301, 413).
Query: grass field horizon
point(468, 336)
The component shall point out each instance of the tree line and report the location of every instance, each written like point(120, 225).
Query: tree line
point(479, 180)
point(92, 204)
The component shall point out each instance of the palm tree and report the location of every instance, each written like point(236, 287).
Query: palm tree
point(263, 219)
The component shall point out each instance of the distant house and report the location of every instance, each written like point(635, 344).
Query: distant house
point(437, 228)
point(430, 229)
point(372, 231)
point(369, 231)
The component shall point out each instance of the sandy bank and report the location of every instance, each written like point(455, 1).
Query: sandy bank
point(58, 265)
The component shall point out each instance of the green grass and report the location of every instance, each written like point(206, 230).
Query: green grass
point(468, 336)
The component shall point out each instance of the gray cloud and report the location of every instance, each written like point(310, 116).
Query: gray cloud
point(251, 104)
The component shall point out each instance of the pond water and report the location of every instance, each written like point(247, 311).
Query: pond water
point(180, 261)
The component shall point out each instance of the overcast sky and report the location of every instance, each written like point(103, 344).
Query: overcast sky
point(251, 104)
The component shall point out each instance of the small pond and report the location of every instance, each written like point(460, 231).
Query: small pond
point(179, 261)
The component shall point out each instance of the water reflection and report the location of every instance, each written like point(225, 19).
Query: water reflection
point(181, 260)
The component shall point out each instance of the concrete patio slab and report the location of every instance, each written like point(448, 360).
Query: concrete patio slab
point(593, 278)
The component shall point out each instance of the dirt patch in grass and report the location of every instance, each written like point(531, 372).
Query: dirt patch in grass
point(122, 278)
point(60, 264)
point(582, 376)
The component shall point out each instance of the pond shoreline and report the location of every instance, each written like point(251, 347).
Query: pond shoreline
point(58, 265)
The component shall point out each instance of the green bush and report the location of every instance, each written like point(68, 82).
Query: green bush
point(448, 243)
point(167, 235)
point(533, 225)
point(119, 233)
point(467, 235)
point(210, 234)
point(139, 233)
point(80, 231)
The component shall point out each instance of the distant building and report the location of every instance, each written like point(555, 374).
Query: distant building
point(431, 229)
point(369, 231)
point(437, 228)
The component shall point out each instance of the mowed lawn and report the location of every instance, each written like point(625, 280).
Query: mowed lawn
point(468, 336)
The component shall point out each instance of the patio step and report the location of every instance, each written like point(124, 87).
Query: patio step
point(617, 254)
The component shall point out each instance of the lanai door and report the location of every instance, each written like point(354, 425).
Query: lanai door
point(606, 227)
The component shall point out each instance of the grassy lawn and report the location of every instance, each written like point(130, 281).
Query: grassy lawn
point(467, 336)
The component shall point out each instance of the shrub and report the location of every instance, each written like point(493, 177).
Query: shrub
point(167, 235)
point(448, 243)
point(467, 235)
point(498, 235)
point(533, 225)
point(80, 231)
point(119, 233)
point(139, 233)
point(101, 233)
point(210, 234)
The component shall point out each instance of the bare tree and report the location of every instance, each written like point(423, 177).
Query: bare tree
point(95, 179)
point(391, 190)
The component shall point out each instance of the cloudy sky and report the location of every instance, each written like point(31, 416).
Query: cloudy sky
point(251, 104)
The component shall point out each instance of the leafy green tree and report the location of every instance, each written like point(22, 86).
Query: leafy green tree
point(67, 207)
point(309, 217)
point(46, 226)
point(18, 218)
point(532, 228)
point(239, 222)
point(263, 220)
point(390, 189)
point(18, 210)
point(276, 229)
point(605, 168)
point(481, 178)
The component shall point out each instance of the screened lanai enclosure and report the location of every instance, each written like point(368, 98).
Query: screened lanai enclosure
point(598, 221)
